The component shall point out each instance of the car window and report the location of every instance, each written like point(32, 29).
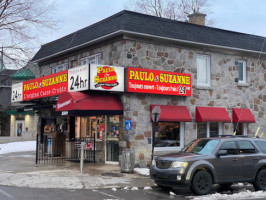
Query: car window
point(230, 146)
point(261, 145)
point(202, 146)
point(246, 147)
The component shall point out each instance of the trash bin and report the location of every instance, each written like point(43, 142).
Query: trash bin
point(128, 161)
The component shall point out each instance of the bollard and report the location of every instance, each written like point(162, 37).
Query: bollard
point(82, 156)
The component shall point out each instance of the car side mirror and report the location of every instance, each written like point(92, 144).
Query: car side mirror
point(222, 152)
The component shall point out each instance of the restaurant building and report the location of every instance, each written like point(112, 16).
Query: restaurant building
point(106, 81)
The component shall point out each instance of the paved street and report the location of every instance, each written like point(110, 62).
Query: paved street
point(14, 193)
point(21, 179)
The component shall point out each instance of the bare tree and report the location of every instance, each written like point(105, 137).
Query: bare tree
point(172, 9)
point(21, 23)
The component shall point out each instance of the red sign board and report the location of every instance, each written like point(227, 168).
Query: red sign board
point(50, 85)
point(158, 82)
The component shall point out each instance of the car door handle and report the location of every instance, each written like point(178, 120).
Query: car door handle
point(235, 159)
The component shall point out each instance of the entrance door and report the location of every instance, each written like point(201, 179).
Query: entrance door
point(19, 127)
point(112, 140)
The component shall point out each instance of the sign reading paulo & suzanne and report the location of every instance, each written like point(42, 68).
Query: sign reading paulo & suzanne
point(107, 78)
point(51, 85)
point(158, 82)
point(75, 79)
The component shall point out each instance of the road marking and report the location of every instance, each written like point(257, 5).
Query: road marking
point(6, 194)
point(107, 194)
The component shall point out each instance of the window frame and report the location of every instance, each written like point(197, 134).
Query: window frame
point(182, 138)
point(65, 66)
point(220, 128)
point(85, 61)
point(244, 81)
point(207, 57)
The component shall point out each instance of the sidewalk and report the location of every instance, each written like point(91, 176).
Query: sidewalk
point(19, 169)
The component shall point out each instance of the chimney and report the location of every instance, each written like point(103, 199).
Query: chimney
point(197, 18)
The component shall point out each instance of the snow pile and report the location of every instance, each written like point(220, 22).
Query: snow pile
point(147, 188)
point(134, 188)
point(114, 189)
point(142, 171)
point(17, 147)
point(172, 193)
point(241, 195)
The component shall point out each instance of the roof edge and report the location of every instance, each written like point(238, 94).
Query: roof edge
point(145, 35)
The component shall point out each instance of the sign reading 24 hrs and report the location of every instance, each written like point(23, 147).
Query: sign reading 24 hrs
point(108, 78)
point(78, 78)
point(16, 94)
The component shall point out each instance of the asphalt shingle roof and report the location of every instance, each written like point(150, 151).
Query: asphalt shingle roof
point(155, 26)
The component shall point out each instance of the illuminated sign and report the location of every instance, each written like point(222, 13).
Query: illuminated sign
point(46, 86)
point(16, 94)
point(78, 78)
point(107, 78)
point(158, 82)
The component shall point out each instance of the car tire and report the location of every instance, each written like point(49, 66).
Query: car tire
point(166, 188)
point(260, 181)
point(201, 183)
point(225, 186)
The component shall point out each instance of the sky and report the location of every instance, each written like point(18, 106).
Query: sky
point(247, 16)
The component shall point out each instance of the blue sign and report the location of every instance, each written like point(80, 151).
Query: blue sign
point(128, 125)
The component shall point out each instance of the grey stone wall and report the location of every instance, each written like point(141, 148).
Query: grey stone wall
point(224, 91)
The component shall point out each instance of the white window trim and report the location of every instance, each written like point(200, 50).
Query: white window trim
point(56, 66)
point(208, 84)
point(244, 72)
point(220, 129)
point(245, 129)
point(89, 57)
point(182, 138)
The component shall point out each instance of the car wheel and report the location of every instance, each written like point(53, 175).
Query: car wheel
point(260, 181)
point(166, 188)
point(201, 183)
point(226, 186)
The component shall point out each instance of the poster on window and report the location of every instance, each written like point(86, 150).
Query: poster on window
point(106, 78)
point(158, 82)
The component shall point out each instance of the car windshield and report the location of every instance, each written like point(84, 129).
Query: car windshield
point(201, 146)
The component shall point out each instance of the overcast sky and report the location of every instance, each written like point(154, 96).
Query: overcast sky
point(247, 16)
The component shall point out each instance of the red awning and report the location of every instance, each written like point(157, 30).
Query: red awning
point(243, 115)
point(211, 114)
point(88, 104)
point(173, 113)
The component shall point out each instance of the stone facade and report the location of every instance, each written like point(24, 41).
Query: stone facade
point(224, 91)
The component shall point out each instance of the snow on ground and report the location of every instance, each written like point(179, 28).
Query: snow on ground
point(241, 195)
point(17, 147)
point(142, 171)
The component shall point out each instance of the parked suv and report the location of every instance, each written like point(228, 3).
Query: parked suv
point(206, 161)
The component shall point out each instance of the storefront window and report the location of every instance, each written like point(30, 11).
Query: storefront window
point(168, 134)
point(100, 127)
point(202, 129)
point(238, 128)
point(209, 129)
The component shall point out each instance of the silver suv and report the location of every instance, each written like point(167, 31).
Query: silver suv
point(206, 161)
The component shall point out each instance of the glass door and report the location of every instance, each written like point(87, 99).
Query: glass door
point(112, 139)
point(19, 127)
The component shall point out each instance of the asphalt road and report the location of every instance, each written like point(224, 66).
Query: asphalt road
point(19, 193)
point(15, 193)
